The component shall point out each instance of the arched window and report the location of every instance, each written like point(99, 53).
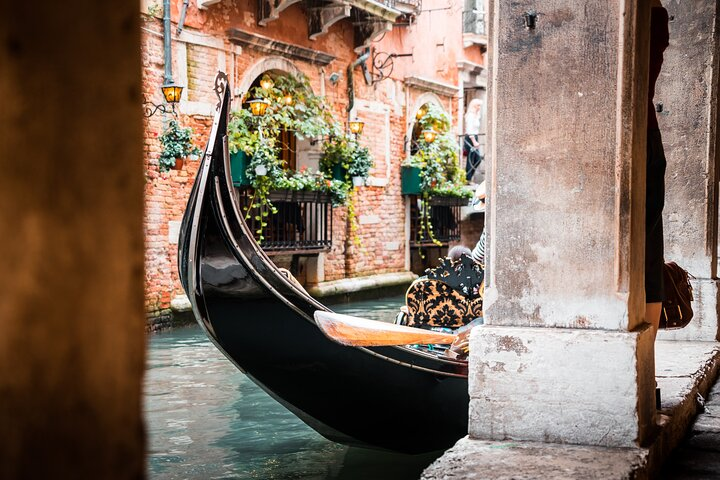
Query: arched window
point(272, 82)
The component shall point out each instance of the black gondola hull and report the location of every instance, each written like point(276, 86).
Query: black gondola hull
point(395, 398)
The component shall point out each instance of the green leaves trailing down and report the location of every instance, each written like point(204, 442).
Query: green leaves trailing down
point(440, 173)
point(343, 149)
point(439, 165)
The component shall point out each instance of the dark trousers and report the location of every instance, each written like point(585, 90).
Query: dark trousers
point(654, 203)
point(473, 157)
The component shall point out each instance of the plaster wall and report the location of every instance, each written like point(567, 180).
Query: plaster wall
point(562, 218)
point(564, 355)
point(71, 311)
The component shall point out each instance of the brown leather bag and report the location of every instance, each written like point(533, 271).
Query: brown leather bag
point(676, 310)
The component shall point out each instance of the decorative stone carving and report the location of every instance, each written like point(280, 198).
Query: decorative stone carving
point(268, 45)
point(269, 10)
point(367, 30)
point(320, 19)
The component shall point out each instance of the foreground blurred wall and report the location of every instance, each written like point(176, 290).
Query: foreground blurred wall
point(71, 282)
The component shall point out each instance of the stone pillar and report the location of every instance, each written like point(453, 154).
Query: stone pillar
point(565, 355)
point(687, 95)
point(71, 209)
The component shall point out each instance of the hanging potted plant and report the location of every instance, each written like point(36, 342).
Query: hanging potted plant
point(360, 165)
point(346, 160)
point(241, 139)
point(176, 144)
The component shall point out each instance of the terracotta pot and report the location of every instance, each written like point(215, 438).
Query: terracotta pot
point(178, 164)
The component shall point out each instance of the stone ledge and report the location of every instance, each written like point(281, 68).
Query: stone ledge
point(685, 370)
point(548, 385)
point(478, 459)
point(180, 304)
point(355, 284)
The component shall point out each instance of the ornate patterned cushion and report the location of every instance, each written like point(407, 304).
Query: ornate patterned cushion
point(433, 303)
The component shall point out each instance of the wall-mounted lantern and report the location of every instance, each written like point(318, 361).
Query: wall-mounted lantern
point(258, 106)
point(429, 135)
point(421, 112)
point(356, 126)
point(171, 93)
point(266, 82)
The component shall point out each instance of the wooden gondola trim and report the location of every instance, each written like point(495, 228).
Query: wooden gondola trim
point(361, 332)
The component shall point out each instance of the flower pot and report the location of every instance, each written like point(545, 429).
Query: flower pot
point(437, 200)
point(178, 164)
point(410, 181)
point(338, 172)
point(238, 165)
point(358, 181)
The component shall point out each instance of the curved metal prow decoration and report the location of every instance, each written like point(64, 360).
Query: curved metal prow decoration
point(221, 84)
point(187, 245)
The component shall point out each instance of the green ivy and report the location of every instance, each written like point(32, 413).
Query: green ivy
point(343, 149)
point(307, 116)
point(440, 173)
point(176, 143)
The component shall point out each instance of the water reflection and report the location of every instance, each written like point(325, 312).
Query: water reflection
point(205, 419)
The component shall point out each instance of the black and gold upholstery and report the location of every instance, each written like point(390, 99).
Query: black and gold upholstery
point(450, 296)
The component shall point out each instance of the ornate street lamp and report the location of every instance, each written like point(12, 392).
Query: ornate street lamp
point(356, 126)
point(171, 93)
point(258, 106)
point(421, 112)
point(266, 82)
point(429, 135)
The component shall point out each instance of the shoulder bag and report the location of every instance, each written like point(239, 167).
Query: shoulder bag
point(676, 309)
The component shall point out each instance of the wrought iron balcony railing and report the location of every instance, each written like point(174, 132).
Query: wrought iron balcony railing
point(302, 224)
point(443, 215)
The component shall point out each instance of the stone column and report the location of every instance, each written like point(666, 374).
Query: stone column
point(687, 95)
point(565, 355)
point(71, 207)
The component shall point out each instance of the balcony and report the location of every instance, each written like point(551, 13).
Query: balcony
point(302, 224)
point(405, 6)
point(475, 25)
point(444, 215)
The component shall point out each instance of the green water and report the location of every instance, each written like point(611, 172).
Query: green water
point(206, 420)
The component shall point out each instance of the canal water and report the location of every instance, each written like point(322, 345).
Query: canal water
point(206, 420)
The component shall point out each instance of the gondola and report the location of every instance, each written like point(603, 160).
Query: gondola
point(397, 398)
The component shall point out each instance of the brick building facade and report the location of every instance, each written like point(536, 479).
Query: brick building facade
point(246, 38)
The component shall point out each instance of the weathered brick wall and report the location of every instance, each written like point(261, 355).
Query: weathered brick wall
point(165, 193)
point(379, 206)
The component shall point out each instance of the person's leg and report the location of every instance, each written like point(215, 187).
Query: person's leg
point(654, 248)
point(652, 314)
point(470, 165)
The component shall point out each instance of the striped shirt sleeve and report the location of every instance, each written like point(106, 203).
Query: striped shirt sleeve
point(478, 253)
